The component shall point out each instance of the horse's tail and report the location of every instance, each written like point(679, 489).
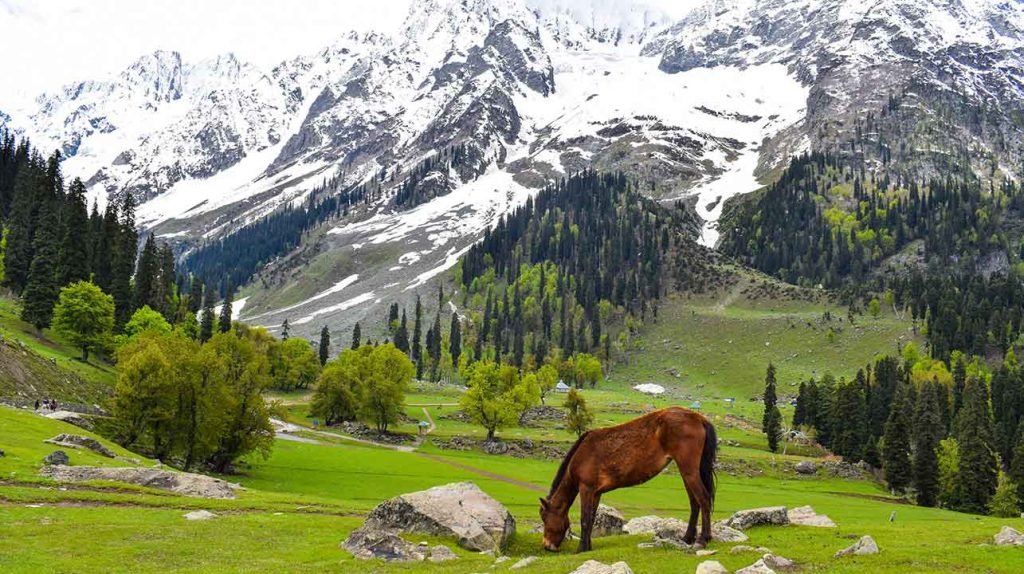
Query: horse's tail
point(707, 460)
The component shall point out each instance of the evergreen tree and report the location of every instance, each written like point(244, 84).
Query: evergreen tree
point(123, 266)
point(206, 325)
point(108, 246)
point(325, 343)
point(195, 294)
point(434, 347)
point(226, 310)
point(74, 252)
point(771, 422)
point(1017, 465)
point(978, 471)
point(929, 430)
point(42, 290)
point(21, 226)
point(896, 463)
point(417, 332)
point(401, 336)
point(146, 277)
point(285, 330)
point(455, 340)
point(357, 338)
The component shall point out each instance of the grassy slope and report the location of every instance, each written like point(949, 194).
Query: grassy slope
point(33, 367)
point(302, 502)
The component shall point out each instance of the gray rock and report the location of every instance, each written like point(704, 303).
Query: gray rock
point(77, 419)
point(806, 516)
point(595, 567)
point(778, 562)
point(524, 563)
point(866, 545)
point(79, 441)
point(200, 515)
point(650, 524)
point(368, 544)
point(758, 567)
point(711, 567)
point(1009, 537)
point(502, 559)
point(705, 552)
point(767, 516)
point(806, 467)
point(184, 483)
point(741, 548)
point(495, 447)
point(56, 457)
point(723, 533)
point(608, 521)
point(459, 510)
point(671, 535)
point(442, 553)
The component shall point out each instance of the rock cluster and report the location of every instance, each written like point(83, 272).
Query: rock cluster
point(184, 483)
point(767, 516)
point(79, 441)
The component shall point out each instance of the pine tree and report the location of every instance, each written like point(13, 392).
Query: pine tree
point(42, 290)
point(226, 310)
point(402, 335)
point(123, 266)
point(325, 343)
point(417, 334)
point(896, 454)
point(978, 472)
point(1017, 465)
point(206, 325)
point(434, 347)
point(455, 340)
point(21, 226)
point(146, 276)
point(195, 294)
point(74, 251)
point(771, 422)
point(285, 330)
point(357, 337)
point(929, 430)
point(108, 241)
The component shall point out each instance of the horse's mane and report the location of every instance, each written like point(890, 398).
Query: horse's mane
point(565, 464)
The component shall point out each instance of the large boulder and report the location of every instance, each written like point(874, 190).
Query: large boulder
point(79, 441)
point(866, 545)
point(806, 467)
point(184, 483)
point(56, 457)
point(767, 516)
point(595, 567)
point(370, 543)
point(711, 567)
point(608, 521)
point(806, 516)
point(459, 510)
point(1009, 537)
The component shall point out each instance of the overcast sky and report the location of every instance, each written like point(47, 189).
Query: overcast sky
point(54, 42)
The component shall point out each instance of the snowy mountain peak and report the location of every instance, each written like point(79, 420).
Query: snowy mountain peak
point(157, 77)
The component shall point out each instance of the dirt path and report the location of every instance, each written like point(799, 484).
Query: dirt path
point(484, 473)
point(430, 420)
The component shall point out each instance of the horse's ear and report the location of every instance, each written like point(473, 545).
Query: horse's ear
point(544, 503)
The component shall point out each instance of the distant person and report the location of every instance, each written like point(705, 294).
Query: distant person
point(37, 405)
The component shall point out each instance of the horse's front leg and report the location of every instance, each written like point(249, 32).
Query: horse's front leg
point(588, 512)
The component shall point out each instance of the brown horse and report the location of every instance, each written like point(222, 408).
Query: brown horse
point(629, 454)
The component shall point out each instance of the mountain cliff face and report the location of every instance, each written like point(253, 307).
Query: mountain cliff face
point(526, 92)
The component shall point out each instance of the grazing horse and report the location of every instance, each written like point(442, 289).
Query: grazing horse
point(629, 454)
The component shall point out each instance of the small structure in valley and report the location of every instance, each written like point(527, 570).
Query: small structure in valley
point(561, 387)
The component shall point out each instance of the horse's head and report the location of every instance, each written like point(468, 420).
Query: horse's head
point(556, 525)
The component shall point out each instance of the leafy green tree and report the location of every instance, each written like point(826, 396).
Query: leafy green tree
point(896, 464)
point(547, 378)
point(978, 472)
point(1005, 503)
point(578, 419)
point(495, 398)
point(341, 389)
point(296, 365)
point(874, 308)
point(771, 422)
point(949, 470)
point(146, 319)
point(84, 316)
point(386, 386)
point(588, 368)
point(929, 430)
point(247, 373)
point(144, 397)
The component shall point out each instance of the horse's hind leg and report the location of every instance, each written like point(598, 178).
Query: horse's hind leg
point(589, 501)
point(696, 489)
point(691, 528)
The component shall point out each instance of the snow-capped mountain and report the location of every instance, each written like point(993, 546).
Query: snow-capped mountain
point(530, 90)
